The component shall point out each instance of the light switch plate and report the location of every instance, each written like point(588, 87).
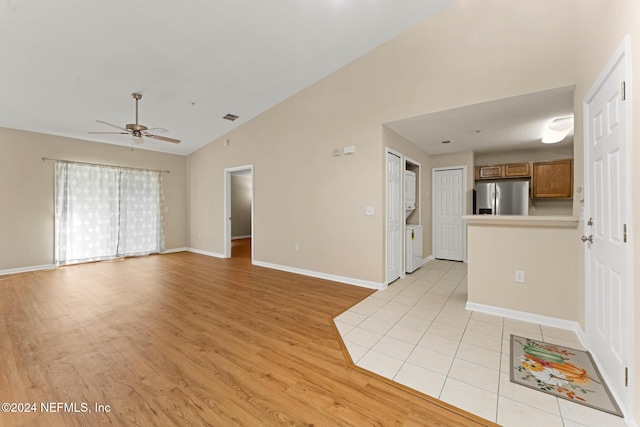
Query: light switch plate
point(349, 149)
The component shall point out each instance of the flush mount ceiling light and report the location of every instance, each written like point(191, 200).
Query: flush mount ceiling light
point(557, 130)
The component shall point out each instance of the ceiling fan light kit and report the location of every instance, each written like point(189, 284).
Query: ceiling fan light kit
point(137, 131)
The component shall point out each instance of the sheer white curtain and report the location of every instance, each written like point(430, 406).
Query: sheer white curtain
point(103, 212)
point(141, 229)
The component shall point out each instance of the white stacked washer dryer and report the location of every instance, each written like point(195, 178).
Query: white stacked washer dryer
point(409, 193)
point(413, 233)
point(413, 248)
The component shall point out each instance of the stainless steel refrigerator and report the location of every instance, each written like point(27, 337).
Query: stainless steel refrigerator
point(502, 198)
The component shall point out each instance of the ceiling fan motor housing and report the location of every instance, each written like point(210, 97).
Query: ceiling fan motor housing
point(135, 127)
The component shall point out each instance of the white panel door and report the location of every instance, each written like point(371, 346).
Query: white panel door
point(608, 294)
point(394, 218)
point(448, 192)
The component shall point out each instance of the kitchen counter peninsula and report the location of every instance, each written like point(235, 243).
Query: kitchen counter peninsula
point(522, 220)
point(541, 252)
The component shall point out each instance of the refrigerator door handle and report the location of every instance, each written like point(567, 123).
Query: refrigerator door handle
point(495, 196)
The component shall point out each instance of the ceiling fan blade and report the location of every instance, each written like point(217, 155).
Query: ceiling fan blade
point(162, 138)
point(111, 133)
point(112, 125)
point(161, 130)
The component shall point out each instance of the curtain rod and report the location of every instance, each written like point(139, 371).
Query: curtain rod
point(45, 159)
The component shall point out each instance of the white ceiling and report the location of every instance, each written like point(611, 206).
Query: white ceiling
point(66, 64)
point(509, 124)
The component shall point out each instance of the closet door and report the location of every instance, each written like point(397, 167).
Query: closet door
point(448, 204)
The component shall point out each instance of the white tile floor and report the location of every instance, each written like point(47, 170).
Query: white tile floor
point(417, 332)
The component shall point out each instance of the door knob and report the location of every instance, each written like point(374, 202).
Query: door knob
point(590, 222)
point(586, 239)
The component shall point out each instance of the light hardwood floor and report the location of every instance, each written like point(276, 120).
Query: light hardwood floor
point(186, 339)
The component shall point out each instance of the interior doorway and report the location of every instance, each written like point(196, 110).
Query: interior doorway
point(241, 248)
point(239, 208)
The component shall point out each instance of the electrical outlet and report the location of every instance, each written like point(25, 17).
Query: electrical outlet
point(297, 247)
point(519, 276)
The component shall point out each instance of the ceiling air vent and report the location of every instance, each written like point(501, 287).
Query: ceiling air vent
point(230, 117)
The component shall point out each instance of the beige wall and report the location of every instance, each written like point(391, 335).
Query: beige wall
point(27, 191)
point(241, 190)
point(548, 257)
point(550, 207)
point(305, 195)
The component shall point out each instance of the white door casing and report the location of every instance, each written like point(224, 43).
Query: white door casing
point(448, 207)
point(608, 316)
point(227, 208)
point(394, 217)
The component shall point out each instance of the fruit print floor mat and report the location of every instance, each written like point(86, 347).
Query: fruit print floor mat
point(560, 371)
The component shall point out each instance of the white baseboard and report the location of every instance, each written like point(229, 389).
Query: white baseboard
point(248, 236)
point(201, 252)
point(52, 266)
point(173, 250)
point(334, 278)
point(27, 269)
point(427, 259)
point(560, 324)
point(554, 322)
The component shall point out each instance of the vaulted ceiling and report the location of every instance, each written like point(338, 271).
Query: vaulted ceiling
point(64, 65)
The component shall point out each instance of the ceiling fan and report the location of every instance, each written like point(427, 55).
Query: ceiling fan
point(137, 131)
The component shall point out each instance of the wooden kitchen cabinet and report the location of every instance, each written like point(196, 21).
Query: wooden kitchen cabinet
point(517, 170)
point(553, 180)
point(489, 172)
point(511, 170)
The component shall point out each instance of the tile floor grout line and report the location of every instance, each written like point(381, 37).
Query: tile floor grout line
point(449, 302)
point(457, 347)
point(500, 373)
point(442, 305)
point(421, 285)
point(385, 334)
